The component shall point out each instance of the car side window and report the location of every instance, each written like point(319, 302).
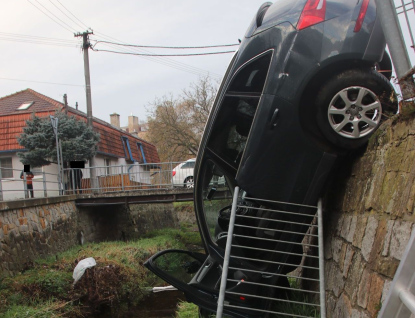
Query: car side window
point(237, 111)
point(188, 165)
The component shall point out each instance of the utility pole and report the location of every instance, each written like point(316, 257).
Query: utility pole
point(396, 43)
point(85, 46)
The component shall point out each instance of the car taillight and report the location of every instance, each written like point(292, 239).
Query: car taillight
point(314, 12)
point(173, 173)
point(361, 17)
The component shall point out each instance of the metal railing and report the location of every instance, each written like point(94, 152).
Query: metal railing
point(273, 232)
point(400, 302)
point(114, 178)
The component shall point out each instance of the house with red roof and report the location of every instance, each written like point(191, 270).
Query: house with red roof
point(116, 147)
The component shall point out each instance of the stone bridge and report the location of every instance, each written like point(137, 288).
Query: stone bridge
point(34, 228)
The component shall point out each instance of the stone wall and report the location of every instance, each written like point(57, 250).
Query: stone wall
point(369, 217)
point(35, 228)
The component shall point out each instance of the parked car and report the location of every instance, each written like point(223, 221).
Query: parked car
point(182, 174)
point(303, 89)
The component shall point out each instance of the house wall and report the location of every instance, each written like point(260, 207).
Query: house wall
point(13, 188)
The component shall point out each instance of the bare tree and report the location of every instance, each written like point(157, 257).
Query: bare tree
point(176, 124)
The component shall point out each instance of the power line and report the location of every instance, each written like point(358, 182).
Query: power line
point(166, 61)
point(37, 42)
point(50, 16)
point(65, 14)
point(142, 54)
point(34, 37)
point(170, 63)
point(30, 81)
point(72, 14)
point(167, 47)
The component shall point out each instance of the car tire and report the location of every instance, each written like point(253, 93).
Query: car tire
point(189, 183)
point(351, 106)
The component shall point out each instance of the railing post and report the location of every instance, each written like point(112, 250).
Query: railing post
point(171, 174)
point(73, 181)
point(26, 193)
point(321, 259)
point(396, 43)
point(45, 192)
point(1, 191)
point(226, 258)
point(122, 178)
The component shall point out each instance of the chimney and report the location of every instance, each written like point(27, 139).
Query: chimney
point(133, 127)
point(115, 120)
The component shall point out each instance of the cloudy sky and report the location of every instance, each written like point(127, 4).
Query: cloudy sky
point(38, 47)
point(39, 50)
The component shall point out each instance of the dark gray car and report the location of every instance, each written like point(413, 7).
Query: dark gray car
point(303, 88)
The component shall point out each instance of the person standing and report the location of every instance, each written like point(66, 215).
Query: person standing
point(29, 182)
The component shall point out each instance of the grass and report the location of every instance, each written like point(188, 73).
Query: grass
point(118, 282)
point(186, 310)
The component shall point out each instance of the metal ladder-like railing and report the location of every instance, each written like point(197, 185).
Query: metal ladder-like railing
point(282, 300)
point(400, 302)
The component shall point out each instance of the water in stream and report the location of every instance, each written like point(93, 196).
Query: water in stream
point(158, 305)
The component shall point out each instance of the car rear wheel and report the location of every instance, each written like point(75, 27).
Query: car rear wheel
point(189, 183)
point(351, 106)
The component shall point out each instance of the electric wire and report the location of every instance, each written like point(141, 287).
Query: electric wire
point(143, 54)
point(87, 27)
point(34, 37)
point(13, 37)
point(31, 81)
point(39, 42)
point(150, 55)
point(160, 60)
point(63, 26)
point(166, 61)
point(167, 47)
point(65, 14)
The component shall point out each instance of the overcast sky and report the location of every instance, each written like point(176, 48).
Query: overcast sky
point(123, 84)
point(120, 83)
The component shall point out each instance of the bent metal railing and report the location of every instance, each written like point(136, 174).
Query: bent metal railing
point(282, 300)
point(400, 301)
point(114, 178)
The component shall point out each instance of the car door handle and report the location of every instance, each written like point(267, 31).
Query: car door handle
point(274, 118)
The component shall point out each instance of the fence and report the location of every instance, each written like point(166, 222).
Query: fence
point(114, 178)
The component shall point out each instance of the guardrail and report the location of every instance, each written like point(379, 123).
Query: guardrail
point(115, 178)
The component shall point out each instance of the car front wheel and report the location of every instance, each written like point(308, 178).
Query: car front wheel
point(351, 106)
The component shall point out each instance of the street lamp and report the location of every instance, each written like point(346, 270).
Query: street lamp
point(55, 121)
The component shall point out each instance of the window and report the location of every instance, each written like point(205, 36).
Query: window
point(237, 110)
point(141, 152)
point(25, 105)
point(127, 149)
point(6, 167)
point(107, 163)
